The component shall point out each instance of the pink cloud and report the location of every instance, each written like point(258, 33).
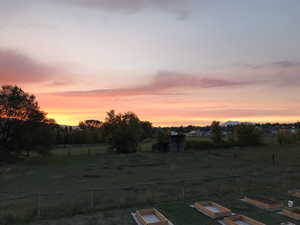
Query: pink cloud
point(18, 68)
point(164, 83)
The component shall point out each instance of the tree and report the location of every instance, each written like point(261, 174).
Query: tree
point(92, 130)
point(147, 129)
point(216, 132)
point(90, 124)
point(20, 117)
point(123, 131)
point(247, 135)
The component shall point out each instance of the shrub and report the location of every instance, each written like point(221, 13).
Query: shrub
point(286, 137)
point(247, 135)
point(199, 145)
point(8, 217)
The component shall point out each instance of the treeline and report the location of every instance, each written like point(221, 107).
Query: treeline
point(95, 131)
point(25, 129)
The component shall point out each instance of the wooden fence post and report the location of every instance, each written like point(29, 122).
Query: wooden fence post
point(183, 191)
point(92, 199)
point(39, 204)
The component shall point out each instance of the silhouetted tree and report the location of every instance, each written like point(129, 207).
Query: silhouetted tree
point(216, 132)
point(21, 123)
point(90, 124)
point(123, 131)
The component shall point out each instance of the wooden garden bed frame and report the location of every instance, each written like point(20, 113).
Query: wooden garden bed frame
point(293, 213)
point(232, 220)
point(295, 193)
point(141, 213)
point(201, 206)
point(263, 203)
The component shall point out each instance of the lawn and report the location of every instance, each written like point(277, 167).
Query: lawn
point(168, 181)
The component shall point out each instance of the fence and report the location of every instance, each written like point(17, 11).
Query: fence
point(54, 205)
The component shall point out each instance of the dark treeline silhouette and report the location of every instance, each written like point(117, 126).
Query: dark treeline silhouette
point(25, 129)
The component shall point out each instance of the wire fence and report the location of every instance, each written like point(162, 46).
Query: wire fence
point(53, 205)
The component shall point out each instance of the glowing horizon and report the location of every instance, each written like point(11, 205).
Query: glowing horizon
point(170, 62)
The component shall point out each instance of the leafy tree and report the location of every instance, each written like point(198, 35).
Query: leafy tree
point(21, 123)
point(92, 130)
point(90, 124)
point(147, 129)
point(247, 135)
point(216, 132)
point(286, 137)
point(123, 131)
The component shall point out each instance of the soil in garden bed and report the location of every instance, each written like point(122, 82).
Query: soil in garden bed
point(263, 199)
point(297, 211)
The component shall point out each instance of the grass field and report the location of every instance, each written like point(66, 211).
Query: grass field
point(222, 175)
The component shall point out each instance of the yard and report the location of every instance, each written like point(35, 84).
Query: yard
point(92, 181)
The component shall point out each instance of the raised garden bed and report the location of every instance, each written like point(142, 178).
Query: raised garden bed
point(263, 202)
point(212, 209)
point(295, 193)
point(241, 220)
point(293, 213)
point(151, 217)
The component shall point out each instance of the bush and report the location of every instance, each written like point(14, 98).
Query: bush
point(247, 135)
point(7, 218)
point(199, 145)
point(286, 137)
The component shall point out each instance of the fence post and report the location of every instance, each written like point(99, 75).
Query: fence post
point(39, 204)
point(92, 199)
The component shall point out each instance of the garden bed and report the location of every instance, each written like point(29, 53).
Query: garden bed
point(212, 209)
point(263, 202)
point(295, 193)
point(241, 220)
point(151, 217)
point(293, 213)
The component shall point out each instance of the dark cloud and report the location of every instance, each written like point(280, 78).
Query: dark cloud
point(16, 67)
point(275, 65)
point(180, 8)
point(164, 83)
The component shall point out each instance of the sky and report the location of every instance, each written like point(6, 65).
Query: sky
point(173, 62)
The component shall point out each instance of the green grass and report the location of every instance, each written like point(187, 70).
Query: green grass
point(222, 175)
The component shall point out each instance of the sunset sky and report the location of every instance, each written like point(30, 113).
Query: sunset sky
point(173, 62)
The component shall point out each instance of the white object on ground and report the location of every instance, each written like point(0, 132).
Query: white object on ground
point(290, 204)
point(213, 209)
point(138, 223)
point(151, 218)
point(240, 222)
